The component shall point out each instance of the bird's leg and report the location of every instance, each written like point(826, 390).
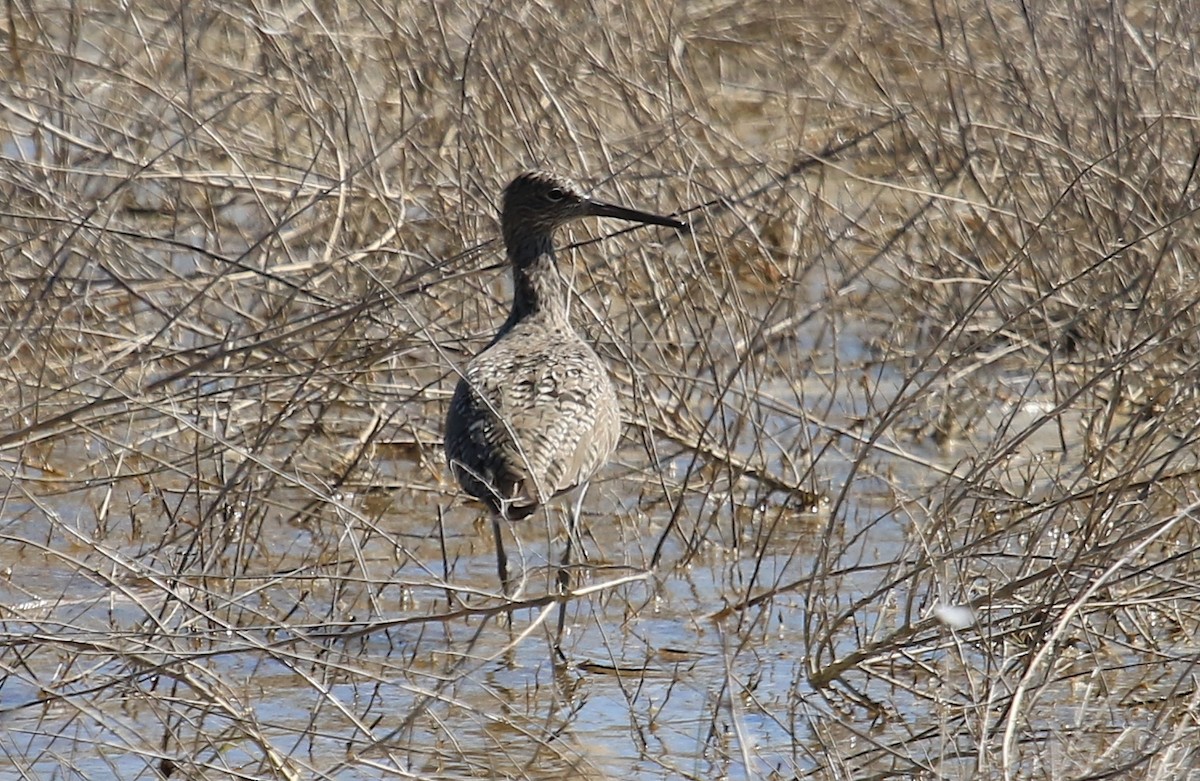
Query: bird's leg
point(501, 556)
point(564, 572)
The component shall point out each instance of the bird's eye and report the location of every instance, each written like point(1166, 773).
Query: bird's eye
point(555, 194)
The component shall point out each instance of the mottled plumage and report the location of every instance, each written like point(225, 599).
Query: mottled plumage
point(535, 413)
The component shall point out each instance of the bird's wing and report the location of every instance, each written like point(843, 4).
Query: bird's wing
point(547, 420)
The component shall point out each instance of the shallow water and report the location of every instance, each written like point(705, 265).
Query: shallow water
point(654, 685)
point(908, 479)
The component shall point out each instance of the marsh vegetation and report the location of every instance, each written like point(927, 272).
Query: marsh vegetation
point(909, 482)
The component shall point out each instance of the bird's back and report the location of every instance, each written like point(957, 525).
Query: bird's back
point(534, 415)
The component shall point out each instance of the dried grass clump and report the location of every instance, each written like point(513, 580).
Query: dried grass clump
point(910, 486)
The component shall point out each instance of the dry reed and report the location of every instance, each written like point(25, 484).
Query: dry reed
point(910, 481)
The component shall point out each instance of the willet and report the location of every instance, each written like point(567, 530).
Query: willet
point(535, 414)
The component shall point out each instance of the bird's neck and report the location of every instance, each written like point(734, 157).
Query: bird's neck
point(539, 291)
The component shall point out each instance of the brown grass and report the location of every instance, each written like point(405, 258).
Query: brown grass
point(944, 275)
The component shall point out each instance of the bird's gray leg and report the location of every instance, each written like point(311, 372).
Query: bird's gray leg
point(564, 572)
point(501, 556)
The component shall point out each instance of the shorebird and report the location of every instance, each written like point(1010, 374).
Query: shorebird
point(535, 414)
